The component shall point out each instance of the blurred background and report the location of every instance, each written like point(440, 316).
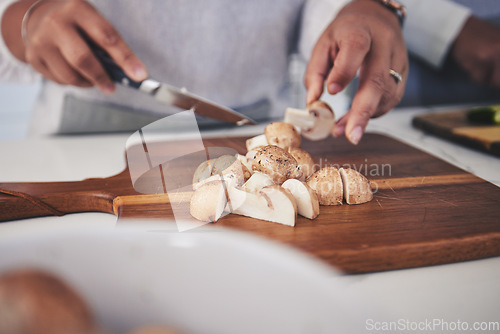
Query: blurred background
point(16, 101)
point(15, 106)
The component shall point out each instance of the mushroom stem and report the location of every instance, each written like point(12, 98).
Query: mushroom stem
point(299, 117)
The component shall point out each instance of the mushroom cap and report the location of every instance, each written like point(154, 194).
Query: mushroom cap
point(304, 160)
point(37, 302)
point(222, 163)
point(203, 171)
point(327, 183)
point(225, 167)
point(209, 201)
point(236, 173)
point(318, 104)
point(282, 134)
point(324, 121)
point(275, 162)
point(357, 189)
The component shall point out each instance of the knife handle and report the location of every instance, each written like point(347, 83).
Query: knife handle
point(114, 71)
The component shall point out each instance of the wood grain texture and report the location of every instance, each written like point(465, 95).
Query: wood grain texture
point(424, 211)
point(454, 126)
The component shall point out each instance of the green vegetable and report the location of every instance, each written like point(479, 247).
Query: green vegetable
point(484, 115)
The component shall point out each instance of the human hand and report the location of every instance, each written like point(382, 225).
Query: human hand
point(477, 50)
point(54, 45)
point(367, 37)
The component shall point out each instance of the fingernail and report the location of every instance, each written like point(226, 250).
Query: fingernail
point(355, 135)
point(334, 88)
point(140, 73)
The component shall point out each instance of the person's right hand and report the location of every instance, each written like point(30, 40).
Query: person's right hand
point(54, 45)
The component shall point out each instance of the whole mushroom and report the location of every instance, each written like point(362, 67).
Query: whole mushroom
point(33, 301)
point(275, 162)
point(282, 134)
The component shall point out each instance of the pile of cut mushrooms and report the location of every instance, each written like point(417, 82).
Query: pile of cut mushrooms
point(276, 179)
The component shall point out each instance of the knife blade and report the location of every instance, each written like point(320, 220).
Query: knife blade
point(169, 94)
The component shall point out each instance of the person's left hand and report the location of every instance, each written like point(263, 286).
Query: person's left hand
point(477, 50)
point(364, 36)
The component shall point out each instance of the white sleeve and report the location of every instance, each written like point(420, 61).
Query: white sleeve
point(431, 26)
point(316, 16)
point(12, 69)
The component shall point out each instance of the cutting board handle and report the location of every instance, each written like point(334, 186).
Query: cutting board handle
point(18, 206)
point(38, 199)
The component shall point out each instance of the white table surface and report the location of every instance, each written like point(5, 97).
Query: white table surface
point(462, 292)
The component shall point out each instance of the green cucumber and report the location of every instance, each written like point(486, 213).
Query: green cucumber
point(485, 115)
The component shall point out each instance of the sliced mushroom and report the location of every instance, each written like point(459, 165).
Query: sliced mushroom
point(272, 203)
point(222, 163)
point(244, 161)
point(216, 177)
point(209, 201)
point(315, 122)
point(226, 167)
point(275, 162)
point(282, 134)
point(204, 171)
point(304, 160)
point(236, 173)
point(256, 182)
point(357, 189)
point(256, 142)
point(306, 199)
point(327, 183)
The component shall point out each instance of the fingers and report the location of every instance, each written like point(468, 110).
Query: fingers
point(103, 33)
point(63, 73)
point(317, 70)
point(377, 94)
point(59, 51)
point(81, 59)
point(353, 48)
point(373, 85)
point(336, 58)
point(339, 128)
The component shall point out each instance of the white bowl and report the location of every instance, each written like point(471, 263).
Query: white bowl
point(204, 281)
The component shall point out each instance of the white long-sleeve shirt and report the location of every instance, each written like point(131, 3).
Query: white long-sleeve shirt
point(233, 52)
point(431, 27)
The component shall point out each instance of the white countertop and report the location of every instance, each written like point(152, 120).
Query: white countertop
point(466, 291)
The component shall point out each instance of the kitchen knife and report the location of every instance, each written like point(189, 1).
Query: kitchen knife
point(168, 94)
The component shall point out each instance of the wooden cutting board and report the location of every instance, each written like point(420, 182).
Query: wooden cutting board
point(453, 125)
point(424, 212)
